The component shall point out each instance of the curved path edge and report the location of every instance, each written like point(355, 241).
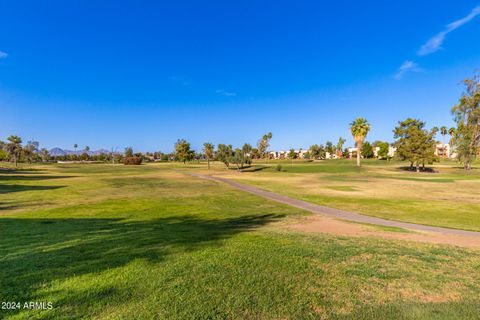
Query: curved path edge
point(335, 213)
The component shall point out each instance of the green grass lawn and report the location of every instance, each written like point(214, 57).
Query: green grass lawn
point(449, 197)
point(116, 242)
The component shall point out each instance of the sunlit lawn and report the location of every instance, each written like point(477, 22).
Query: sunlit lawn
point(449, 197)
point(111, 242)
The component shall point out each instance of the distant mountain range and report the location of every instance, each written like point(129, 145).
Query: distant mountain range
point(61, 152)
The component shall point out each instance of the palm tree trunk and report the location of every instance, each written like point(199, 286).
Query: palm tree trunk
point(359, 148)
point(443, 146)
point(208, 163)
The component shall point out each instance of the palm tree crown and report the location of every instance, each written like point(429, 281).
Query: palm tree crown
point(14, 146)
point(443, 130)
point(359, 129)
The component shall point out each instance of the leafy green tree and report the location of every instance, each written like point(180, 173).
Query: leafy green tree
point(128, 152)
point(263, 145)
point(414, 143)
point(183, 153)
point(225, 154)
point(242, 156)
point(14, 148)
point(255, 154)
point(359, 129)
point(467, 116)
point(383, 149)
point(291, 154)
point(238, 158)
point(367, 150)
point(208, 151)
point(3, 152)
point(117, 157)
point(29, 150)
point(317, 151)
point(44, 154)
point(247, 150)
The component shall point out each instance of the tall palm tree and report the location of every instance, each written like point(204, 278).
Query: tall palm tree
point(87, 152)
point(443, 132)
point(359, 129)
point(451, 132)
point(208, 151)
point(14, 147)
point(340, 144)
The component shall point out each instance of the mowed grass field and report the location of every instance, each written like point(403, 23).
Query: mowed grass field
point(150, 242)
point(448, 197)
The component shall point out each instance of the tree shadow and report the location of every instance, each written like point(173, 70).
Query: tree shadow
point(9, 188)
point(32, 178)
point(413, 169)
point(35, 252)
point(6, 206)
point(22, 171)
point(255, 168)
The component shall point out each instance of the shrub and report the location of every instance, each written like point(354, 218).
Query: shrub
point(132, 161)
point(279, 167)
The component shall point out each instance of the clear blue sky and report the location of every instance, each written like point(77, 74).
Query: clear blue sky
point(144, 73)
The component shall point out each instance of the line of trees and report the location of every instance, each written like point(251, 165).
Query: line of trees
point(224, 153)
point(13, 150)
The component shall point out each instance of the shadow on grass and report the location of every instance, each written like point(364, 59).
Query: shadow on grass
point(255, 168)
point(36, 252)
point(21, 171)
point(413, 169)
point(6, 206)
point(9, 188)
point(31, 178)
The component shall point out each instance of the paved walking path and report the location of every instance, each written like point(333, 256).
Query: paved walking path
point(335, 213)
